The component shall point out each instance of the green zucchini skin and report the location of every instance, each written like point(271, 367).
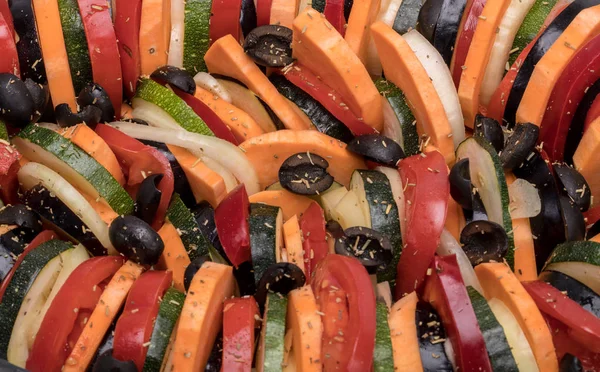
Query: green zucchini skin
point(496, 344)
point(183, 220)
point(86, 166)
point(383, 358)
point(168, 314)
point(578, 251)
point(274, 334)
point(75, 43)
point(21, 282)
point(196, 38)
point(322, 119)
point(263, 237)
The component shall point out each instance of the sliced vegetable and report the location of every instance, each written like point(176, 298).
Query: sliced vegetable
point(28, 44)
point(583, 159)
point(231, 218)
point(499, 282)
point(225, 20)
point(155, 31)
point(403, 68)
point(197, 35)
point(291, 204)
point(314, 239)
point(404, 336)
point(313, 48)
point(185, 222)
point(574, 289)
point(449, 246)
point(127, 31)
point(269, 356)
point(201, 316)
point(466, 30)
point(283, 12)
point(226, 57)
point(175, 55)
point(266, 241)
point(175, 257)
point(239, 322)
point(362, 15)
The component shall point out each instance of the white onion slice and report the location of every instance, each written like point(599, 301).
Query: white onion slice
point(524, 199)
point(449, 246)
point(177, 33)
point(439, 74)
point(205, 81)
point(221, 151)
point(387, 15)
point(496, 67)
point(32, 174)
point(391, 124)
point(154, 115)
point(51, 126)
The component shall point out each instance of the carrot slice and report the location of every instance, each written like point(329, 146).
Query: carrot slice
point(206, 184)
point(358, 33)
point(585, 159)
point(104, 313)
point(478, 56)
point(291, 204)
point(525, 264)
point(498, 281)
point(595, 238)
point(307, 328)
point(84, 137)
point(283, 12)
point(106, 213)
point(52, 43)
point(174, 258)
point(402, 67)
point(405, 346)
point(583, 28)
point(241, 124)
point(455, 220)
point(226, 57)
point(292, 238)
point(269, 151)
point(155, 34)
point(201, 316)
point(318, 46)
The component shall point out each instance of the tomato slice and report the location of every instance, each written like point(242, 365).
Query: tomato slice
point(9, 60)
point(225, 20)
point(7, 15)
point(135, 325)
point(42, 237)
point(583, 326)
point(334, 12)
point(137, 160)
point(465, 36)
point(314, 242)
point(426, 202)
point(62, 324)
point(565, 344)
point(239, 323)
point(263, 12)
point(352, 350)
point(231, 219)
point(304, 79)
point(127, 30)
point(102, 45)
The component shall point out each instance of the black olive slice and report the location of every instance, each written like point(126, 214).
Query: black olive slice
point(461, 188)
point(192, 269)
point(576, 187)
point(370, 247)
point(428, 17)
point(94, 95)
point(282, 278)
point(334, 229)
point(477, 211)
point(377, 148)
point(89, 115)
point(429, 331)
point(484, 241)
point(40, 96)
point(270, 45)
point(107, 363)
point(347, 8)
point(21, 216)
point(248, 17)
point(244, 276)
point(570, 363)
point(491, 130)
point(16, 104)
point(305, 174)
point(177, 77)
point(148, 198)
point(573, 218)
point(136, 240)
point(519, 145)
point(204, 214)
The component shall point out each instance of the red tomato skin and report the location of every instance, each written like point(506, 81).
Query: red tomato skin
point(225, 19)
point(127, 30)
point(239, 323)
point(231, 219)
point(9, 59)
point(334, 12)
point(314, 242)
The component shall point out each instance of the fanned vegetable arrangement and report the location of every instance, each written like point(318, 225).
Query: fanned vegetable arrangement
point(297, 185)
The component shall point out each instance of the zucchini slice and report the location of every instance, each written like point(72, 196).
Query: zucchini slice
point(487, 175)
point(585, 273)
point(75, 43)
point(378, 204)
point(183, 220)
point(49, 148)
point(330, 199)
point(515, 337)
point(196, 40)
point(348, 211)
point(383, 358)
point(23, 280)
point(496, 344)
point(266, 240)
point(579, 260)
point(162, 333)
point(269, 357)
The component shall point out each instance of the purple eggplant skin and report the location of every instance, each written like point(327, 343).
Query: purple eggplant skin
point(31, 62)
